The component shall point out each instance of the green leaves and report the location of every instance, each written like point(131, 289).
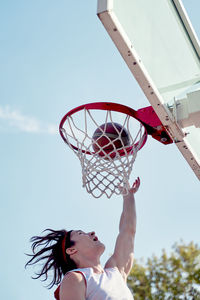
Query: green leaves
point(168, 277)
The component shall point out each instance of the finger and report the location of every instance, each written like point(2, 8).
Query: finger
point(136, 185)
point(120, 189)
point(137, 181)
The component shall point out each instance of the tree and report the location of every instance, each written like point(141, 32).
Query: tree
point(169, 277)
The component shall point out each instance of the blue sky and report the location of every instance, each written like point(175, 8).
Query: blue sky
point(54, 56)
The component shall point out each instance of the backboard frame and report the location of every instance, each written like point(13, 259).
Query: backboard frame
point(126, 48)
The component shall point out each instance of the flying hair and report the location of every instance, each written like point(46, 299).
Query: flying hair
point(50, 251)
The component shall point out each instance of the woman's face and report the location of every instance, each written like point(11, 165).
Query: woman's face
point(86, 242)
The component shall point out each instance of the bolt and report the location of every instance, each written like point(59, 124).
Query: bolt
point(163, 140)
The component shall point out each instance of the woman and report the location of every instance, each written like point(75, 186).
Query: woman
point(76, 256)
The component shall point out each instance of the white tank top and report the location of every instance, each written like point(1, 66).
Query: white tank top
point(108, 285)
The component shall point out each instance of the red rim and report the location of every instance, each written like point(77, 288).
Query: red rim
point(105, 106)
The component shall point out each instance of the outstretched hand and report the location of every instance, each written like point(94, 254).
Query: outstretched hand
point(135, 186)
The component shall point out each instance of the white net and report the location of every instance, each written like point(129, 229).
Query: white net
point(107, 156)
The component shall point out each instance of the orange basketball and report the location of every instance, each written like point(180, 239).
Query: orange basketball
point(108, 136)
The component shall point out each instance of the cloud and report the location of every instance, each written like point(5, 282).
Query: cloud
point(14, 119)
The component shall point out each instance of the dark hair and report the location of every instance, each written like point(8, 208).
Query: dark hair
point(48, 250)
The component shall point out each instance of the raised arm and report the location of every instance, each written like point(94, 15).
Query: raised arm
point(122, 257)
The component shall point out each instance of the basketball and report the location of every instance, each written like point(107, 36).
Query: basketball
point(110, 136)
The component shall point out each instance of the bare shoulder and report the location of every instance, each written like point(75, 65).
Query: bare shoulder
point(73, 287)
point(122, 260)
point(111, 263)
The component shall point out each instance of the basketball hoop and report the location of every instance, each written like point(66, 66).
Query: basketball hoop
point(106, 168)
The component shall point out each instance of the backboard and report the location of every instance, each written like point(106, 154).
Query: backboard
point(161, 49)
